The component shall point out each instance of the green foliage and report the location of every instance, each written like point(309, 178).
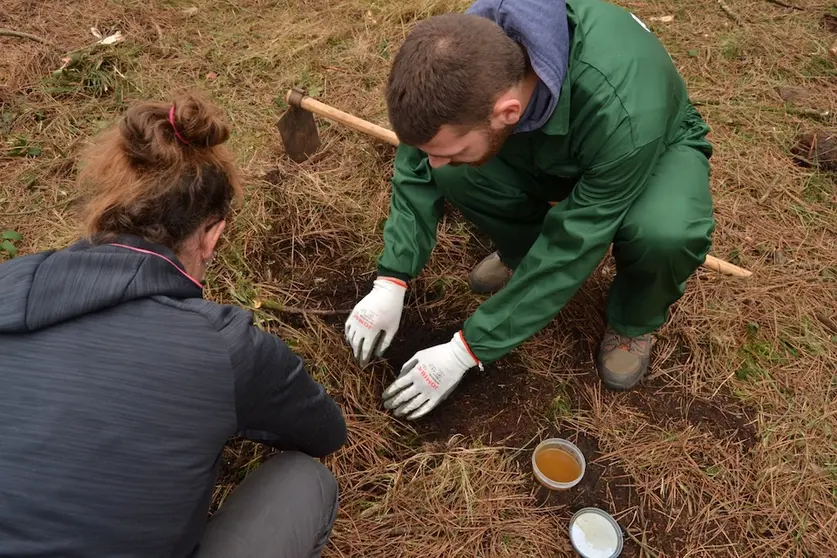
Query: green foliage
point(7, 118)
point(96, 73)
point(20, 146)
point(561, 405)
point(7, 243)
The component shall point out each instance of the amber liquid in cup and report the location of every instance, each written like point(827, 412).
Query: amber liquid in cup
point(557, 465)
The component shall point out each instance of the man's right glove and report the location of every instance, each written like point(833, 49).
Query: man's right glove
point(374, 320)
point(429, 377)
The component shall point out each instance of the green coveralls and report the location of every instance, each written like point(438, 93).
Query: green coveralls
point(624, 151)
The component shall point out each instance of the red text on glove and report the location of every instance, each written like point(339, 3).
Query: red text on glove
point(365, 318)
point(363, 322)
point(426, 377)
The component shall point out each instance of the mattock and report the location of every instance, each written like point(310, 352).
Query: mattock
point(302, 139)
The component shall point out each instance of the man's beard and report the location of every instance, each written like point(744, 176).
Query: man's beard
point(496, 139)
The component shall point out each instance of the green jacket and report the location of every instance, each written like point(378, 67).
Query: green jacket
point(621, 103)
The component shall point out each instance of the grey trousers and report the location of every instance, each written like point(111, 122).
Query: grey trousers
point(284, 509)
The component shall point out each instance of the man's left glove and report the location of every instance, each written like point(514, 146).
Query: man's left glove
point(429, 377)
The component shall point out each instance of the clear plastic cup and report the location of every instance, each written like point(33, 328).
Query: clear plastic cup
point(568, 447)
point(603, 530)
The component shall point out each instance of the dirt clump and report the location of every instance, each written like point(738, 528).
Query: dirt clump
point(829, 21)
point(816, 149)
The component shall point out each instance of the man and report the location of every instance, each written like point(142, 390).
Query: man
point(503, 111)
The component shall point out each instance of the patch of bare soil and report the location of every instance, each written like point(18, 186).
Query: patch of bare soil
point(501, 404)
point(726, 418)
point(816, 149)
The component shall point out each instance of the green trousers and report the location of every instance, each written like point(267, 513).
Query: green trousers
point(662, 240)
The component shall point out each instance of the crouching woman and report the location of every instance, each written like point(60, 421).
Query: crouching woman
point(121, 384)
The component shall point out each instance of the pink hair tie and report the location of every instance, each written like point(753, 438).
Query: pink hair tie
point(173, 127)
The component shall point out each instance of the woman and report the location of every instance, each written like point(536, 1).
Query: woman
point(121, 384)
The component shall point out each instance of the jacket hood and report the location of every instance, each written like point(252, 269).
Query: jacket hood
point(541, 26)
point(45, 289)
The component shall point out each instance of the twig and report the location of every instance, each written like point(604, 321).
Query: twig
point(41, 209)
point(796, 111)
point(648, 550)
point(159, 32)
point(784, 5)
point(22, 35)
point(276, 307)
point(310, 44)
point(826, 321)
point(732, 15)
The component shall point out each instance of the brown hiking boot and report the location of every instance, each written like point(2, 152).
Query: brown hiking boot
point(623, 361)
point(489, 275)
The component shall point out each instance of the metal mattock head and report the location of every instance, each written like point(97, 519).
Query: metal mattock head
point(298, 129)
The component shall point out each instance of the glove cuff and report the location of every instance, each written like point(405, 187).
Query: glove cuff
point(382, 281)
point(464, 353)
point(395, 289)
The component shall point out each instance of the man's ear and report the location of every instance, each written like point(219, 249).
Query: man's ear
point(507, 111)
point(210, 239)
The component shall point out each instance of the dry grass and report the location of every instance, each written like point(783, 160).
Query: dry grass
point(729, 449)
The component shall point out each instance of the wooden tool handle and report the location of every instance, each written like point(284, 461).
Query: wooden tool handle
point(331, 113)
point(726, 268)
point(297, 97)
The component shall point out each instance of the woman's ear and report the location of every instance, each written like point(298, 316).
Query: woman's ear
point(210, 239)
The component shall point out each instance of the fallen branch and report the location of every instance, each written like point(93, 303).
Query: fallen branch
point(22, 35)
point(826, 321)
point(796, 111)
point(277, 307)
point(41, 209)
point(648, 550)
point(732, 15)
point(808, 112)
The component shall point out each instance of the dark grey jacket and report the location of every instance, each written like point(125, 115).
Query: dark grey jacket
point(119, 386)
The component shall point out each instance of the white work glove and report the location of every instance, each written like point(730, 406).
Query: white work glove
point(374, 320)
point(429, 377)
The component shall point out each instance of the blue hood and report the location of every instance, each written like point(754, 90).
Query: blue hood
point(541, 27)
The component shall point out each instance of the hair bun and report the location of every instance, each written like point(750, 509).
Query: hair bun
point(200, 122)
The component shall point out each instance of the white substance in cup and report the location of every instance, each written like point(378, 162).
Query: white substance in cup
point(594, 536)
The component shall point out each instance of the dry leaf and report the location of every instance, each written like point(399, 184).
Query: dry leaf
point(211, 75)
point(792, 94)
point(662, 19)
point(112, 39)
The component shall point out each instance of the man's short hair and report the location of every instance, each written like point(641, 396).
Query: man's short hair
point(450, 70)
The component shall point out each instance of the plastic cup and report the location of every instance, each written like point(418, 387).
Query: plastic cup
point(570, 448)
point(603, 536)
